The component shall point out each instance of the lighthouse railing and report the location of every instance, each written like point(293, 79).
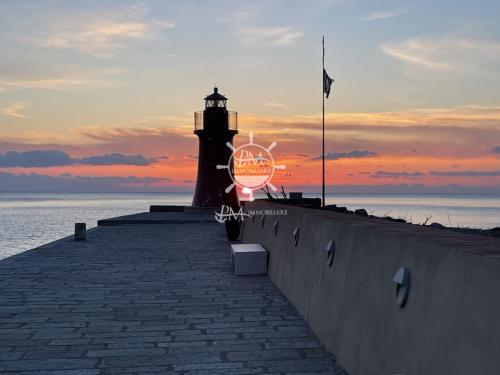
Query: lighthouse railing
point(232, 120)
point(198, 120)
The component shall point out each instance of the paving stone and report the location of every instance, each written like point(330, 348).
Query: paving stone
point(143, 370)
point(69, 372)
point(51, 352)
point(69, 342)
point(209, 366)
point(47, 364)
point(8, 356)
point(148, 299)
point(125, 352)
point(262, 355)
point(301, 344)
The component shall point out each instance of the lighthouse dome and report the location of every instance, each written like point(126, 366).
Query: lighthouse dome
point(215, 100)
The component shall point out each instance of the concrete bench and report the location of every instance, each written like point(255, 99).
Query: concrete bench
point(249, 259)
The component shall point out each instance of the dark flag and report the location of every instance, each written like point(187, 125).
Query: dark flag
point(327, 83)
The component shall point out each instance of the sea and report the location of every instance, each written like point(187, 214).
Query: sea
point(28, 220)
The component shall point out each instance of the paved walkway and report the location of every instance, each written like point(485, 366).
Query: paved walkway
point(139, 299)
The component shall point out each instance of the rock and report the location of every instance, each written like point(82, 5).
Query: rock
point(437, 225)
point(390, 218)
point(330, 207)
point(341, 209)
point(361, 212)
point(333, 207)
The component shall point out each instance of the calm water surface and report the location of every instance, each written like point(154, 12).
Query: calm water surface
point(28, 220)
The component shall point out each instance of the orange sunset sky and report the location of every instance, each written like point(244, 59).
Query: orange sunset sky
point(100, 96)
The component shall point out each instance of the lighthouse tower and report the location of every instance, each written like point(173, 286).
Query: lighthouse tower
point(215, 126)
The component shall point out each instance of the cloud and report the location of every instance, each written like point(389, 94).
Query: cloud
point(14, 110)
point(276, 105)
point(397, 175)
point(271, 35)
point(100, 34)
point(448, 53)
point(100, 139)
point(395, 133)
point(116, 158)
point(115, 134)
point(37, 158)
point(354, 154)
point(465, 173)
point(131, 140)
point(65, 83)
point(28, 72)
point(383, 14)
point(397, 189)
point(70, 183)
point(55, 158)
point(418, 52)
point(495, 150)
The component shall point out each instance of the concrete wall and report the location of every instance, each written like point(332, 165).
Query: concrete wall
point(451, 322)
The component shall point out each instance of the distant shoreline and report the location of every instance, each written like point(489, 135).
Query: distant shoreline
point(314, 193)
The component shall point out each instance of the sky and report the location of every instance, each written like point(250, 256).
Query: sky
point(100, 95)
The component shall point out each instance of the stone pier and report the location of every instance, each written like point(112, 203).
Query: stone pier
point(148, 293)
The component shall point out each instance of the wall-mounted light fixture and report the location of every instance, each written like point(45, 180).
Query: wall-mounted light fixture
point(296, 234)
point(330, 251)
point(402, 281)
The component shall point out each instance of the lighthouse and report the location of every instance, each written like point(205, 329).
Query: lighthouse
point(215, 126)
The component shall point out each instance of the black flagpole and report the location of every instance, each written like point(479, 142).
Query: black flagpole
point(323, 133)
